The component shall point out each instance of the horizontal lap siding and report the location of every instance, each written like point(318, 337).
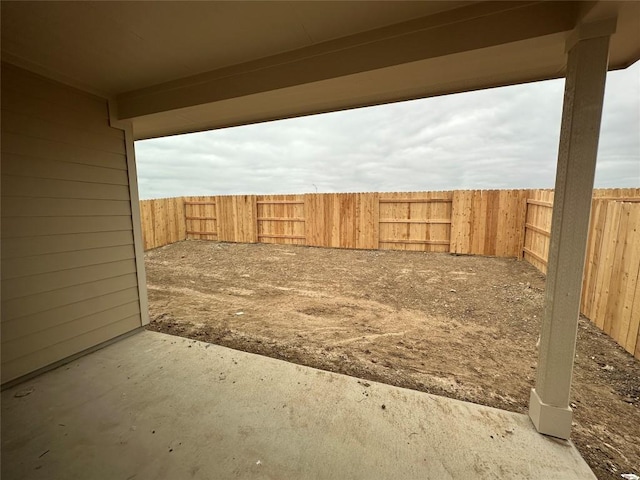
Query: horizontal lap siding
point(68, 264)
point(33, 168)
point(43, 244)
point(25, 322)
point(75, 344)
point(54, 188)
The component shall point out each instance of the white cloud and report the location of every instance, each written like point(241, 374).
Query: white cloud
point(498, 138)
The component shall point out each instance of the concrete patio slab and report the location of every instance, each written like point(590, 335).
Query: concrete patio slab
point(154, 406)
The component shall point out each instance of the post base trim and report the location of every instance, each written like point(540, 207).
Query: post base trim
point(550, 420)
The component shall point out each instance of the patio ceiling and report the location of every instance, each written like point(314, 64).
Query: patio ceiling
point(176, 67)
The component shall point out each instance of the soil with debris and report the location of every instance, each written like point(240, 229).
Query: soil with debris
point(460, 326)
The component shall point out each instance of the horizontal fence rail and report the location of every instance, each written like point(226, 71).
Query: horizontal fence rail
point(611, 279)
point(503, 223)
point(200, 218)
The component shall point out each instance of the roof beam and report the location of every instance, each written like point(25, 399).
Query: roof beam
point(476, 26)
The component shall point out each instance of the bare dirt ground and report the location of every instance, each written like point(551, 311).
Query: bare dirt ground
point(459, 326)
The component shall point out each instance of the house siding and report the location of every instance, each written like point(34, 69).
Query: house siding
point(69, 273)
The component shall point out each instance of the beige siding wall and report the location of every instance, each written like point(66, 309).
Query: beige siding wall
point(68, 264)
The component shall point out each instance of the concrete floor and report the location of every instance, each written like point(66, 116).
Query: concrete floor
point(154, 406)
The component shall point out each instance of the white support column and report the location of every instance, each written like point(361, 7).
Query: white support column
point(137, 225)
point(588, 53)
point(127, 127)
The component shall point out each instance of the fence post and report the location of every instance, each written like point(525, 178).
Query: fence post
point(524, 206)
point(256, 238)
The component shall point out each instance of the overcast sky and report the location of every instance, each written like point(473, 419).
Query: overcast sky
point(498, 138)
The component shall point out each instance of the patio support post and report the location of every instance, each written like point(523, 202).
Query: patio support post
point(588, 53)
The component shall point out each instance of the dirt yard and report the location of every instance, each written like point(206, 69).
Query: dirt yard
point(459, 326)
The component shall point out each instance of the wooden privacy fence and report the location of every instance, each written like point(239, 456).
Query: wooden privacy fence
point(163, 222)
point(465, 222)
point(281, 219)
point(504, 223)
point(611, 280)
point(200, 217)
